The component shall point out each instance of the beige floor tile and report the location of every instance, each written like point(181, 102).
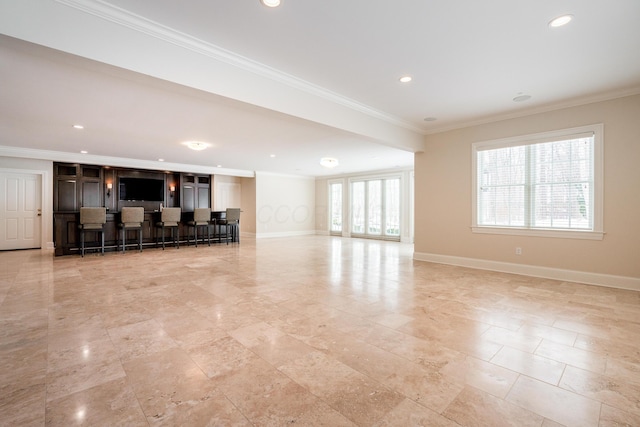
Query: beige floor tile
point(534, 366)
point(111, 403)
point(602, 388)
point(168, 384)
point(554, 403)
point(572, 356)
point(79, 368)
point(409, 413)
point(614, 417)
point(309, 330)
point(140, 339)
point(482, 375)
point(517, 340)
point(473, 407)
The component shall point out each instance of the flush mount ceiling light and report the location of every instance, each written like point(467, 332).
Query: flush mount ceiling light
point(560, 21)
point(197, 145)
point(329, 162)
point(521, 98)
point(405, 79)
point(270, 3)
point(78, 127)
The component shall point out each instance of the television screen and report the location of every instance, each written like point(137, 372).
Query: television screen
point(142, 189)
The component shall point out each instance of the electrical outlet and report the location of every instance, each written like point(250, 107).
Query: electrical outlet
point(518, 251)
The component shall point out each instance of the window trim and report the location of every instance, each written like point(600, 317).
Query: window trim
point(598, 181)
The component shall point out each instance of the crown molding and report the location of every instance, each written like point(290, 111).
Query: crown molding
point(90, 159)
point(117, 15)
point(576, 102)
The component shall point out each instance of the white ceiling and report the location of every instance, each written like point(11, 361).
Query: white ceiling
point(308, 79)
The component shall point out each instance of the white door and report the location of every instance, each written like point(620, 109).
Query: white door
point(20, 210)
point(227, 195)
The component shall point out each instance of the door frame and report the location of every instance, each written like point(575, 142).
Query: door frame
point(46, 203)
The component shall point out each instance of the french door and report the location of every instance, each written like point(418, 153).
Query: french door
point(375, 208)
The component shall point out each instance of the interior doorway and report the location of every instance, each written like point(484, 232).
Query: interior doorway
point(20, 210)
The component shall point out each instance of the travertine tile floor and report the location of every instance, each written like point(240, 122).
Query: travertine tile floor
point(308, 331)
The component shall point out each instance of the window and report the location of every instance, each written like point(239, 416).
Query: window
point(546, 184)
point(375, 208)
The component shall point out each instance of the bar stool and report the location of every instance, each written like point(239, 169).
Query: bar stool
point(170, 218)
point(201, 218)
point(131, 218)
point(92, 219)
point(231, 222)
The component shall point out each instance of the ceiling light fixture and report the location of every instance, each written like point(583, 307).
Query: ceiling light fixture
point(270, 3)
point(329, 162)
point(197, 145)
point(78, 127)
point(521, 98)
point(560, 21)
point(430, 119)
point(161, 160)
point(405, 79)
point(84, 152)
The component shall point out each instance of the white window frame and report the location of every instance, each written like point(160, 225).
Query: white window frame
point(597, 233)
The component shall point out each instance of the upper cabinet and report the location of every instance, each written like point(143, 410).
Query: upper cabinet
point(196, 192)
point(75, 186)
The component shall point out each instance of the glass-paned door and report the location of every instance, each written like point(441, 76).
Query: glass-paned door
point(392, 207)
point(375, 208)
point(357, 207)
point(335, 195)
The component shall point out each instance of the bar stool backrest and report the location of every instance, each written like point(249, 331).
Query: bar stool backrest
point(132, 216)
point(171, 216)
point(92, 218)
point(201, 216)
point(233, 215)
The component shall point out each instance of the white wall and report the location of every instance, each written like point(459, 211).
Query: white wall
point(44, 168)
point(285, 205)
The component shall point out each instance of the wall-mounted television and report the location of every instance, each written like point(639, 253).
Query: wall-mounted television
point(141, 189)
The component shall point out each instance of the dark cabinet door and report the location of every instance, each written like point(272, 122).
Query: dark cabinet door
point(91, 194)
point(65, 197)
point(188, 198)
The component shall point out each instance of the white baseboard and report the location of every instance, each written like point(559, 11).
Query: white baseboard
point(49, 246)
point(611, 281)
point(285, 234)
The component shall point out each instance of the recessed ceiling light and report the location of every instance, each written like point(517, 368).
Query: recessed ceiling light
point(560, 21)
point(270, 3)
point(521, 98)
point(430, 119)
point(78, 127)
point(197, 145)
point(161, 160)
point(329, 162)
point(219, 166)
point(84, 152)
point(405, 79)
point(272, 155)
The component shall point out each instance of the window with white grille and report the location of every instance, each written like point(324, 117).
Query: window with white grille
point(544, 184)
